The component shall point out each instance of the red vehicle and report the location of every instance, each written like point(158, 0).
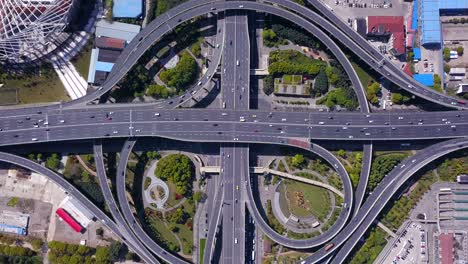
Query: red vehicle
point(329, 246)
point(461, 102)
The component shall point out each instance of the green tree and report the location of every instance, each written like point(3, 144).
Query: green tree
point(198, 196)
point(157, 91)
point(36, 243)
point(320, 84)
point(53, 162)
point(460, 50)
point(269, 38)
point(437, 83)
point(398, 98)
point(179, 169)
point(341, 153)
point(183, 74)
point(196, 49)
point(268, 84)
point(381, 166)
point(298, 161)
point(178, 216)
point(102, 255)
point(115, 249)
point(446, 54)
point(446, 68)
point(85, 176)
point(372, 91)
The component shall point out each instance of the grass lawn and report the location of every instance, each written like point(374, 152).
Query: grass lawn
point(201, 253)
point(284, 205)
point(46, 89)
point(364, 77)
point(157, 225)
point(147, 183)
point(171, 201)
point(185, 234)
point(82, 60)
point(316, 199)
point(8, 96)
point(287, 78)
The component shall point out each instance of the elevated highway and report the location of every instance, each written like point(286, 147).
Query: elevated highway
point(381, 195)
point(127, 211)
point(112, 205)
point(70, 190)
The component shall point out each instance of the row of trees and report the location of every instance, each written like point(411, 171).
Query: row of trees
point(178, 169)
point(381, 166)
point(61, 252)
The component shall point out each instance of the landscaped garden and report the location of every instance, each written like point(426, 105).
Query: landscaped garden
point(304, 200)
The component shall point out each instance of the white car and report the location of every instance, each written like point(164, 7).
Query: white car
point(34, 139)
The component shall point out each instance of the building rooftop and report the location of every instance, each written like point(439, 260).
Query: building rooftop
point(446, 248)
point(430, 18)
point(127, 8)
point(417, 54)
point(116, 30)
point(457, 71)
point(110, 43)
point(386, 25)
point(425, 78)
point(462, 88)
point(106, 55)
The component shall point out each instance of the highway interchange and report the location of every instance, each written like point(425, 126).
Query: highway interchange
point(236, 126)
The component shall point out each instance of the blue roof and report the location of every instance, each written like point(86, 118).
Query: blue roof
point(453, 4)
point(17, 229)
point(127, 8)
point(425, 78)
point(414, 22)
point(430, 18)
point(417, 53)
point(92, 65)
point(104, 66)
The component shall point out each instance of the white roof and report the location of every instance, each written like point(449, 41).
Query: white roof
point(458, 71)
point(116, 30)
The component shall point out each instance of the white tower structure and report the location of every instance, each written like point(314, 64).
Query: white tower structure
point(28, 26)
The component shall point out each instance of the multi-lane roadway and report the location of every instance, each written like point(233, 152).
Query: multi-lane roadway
point(76, 121)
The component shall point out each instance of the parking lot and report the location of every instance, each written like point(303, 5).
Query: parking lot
point(362, 8)
point(409, 247)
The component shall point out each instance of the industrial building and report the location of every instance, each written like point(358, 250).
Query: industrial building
point(14, 223)
point(430, 18)
point(27, 27)
point(111, 39)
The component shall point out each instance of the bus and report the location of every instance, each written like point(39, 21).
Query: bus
point(445, 189)
point(253, 255)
